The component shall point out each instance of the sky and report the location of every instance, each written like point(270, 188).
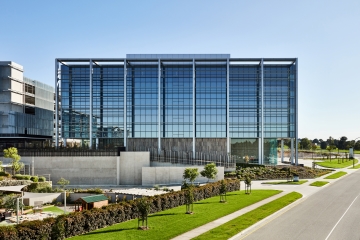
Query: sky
point(323, 35)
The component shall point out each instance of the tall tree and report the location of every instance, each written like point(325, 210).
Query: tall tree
point(342, 142)
point(305, 143)
point(315, 141)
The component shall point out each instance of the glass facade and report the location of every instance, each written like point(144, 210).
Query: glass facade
point(260, 107)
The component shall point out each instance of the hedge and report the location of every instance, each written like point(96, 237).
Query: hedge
point(248, 165)
point(5, 174)
point(5, 183)
point(77, 223)
point(21, 177)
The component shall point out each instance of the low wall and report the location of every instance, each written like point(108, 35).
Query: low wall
point(172, 175)
point(106, 171)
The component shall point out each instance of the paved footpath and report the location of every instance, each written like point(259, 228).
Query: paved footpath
point(304, 189)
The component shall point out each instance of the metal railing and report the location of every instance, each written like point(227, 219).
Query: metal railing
point(183, 157)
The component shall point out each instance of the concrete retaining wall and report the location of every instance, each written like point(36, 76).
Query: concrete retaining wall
point(172, 175)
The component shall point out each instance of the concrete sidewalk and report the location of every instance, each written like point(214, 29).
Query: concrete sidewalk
point(305, 189)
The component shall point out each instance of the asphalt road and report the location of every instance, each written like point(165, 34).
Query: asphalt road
point(332, 213)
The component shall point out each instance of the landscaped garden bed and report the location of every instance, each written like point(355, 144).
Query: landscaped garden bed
point(277, 172)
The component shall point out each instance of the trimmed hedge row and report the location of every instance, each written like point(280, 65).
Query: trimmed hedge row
point(77, 223)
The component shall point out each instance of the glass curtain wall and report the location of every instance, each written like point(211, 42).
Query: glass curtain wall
point(75, 103)
point(176, 102)
point(142, 101)
point(108, 106)
point(245, 111)
point(210, 97)
point(279, 107)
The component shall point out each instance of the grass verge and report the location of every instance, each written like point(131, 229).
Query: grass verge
point(319, 183)
point(238, 224)
point(173, 222)
point(287, 182)
point(53, 209)
point(336, 163)
point(356, 167)
point(336, 175)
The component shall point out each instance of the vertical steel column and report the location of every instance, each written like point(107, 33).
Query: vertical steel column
point(125, 109)
point(227, 108)
point(159, 106)
point(262, 112)
point(193, 111)
point(292, 151)
point(282, 150)
point(56, 104)
point(296, 112)
point(91, 105)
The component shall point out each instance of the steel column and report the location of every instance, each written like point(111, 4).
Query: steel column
point(56, 104)
point(193, 112)
point(125, 109)
point(296, 112)
point(292, 151)
point(91, 105)
point(282, 150)
point(227, 108)
point(159, 106)
point(261, 158)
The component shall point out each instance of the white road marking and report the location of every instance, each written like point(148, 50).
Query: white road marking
point(341, 217)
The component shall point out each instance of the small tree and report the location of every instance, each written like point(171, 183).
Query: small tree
point(191, 174)
point(247, 181)
point(12, 153)
point(143, 208)
point(63, 182)
point(209, 171)
point(9, 203)
point(189, 199)
point(223, 191)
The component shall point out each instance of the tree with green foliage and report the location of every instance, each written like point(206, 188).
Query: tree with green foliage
point(63, 182)
point(143, 208)
point(223, 190)
point(323, 145)
point(10, 203)
point(305, 144)
point(209, 171)
point(191, 174)
point(12, 153)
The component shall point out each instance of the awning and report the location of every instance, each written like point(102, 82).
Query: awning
point(12, 188)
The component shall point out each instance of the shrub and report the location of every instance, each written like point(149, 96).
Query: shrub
point(5, 174)
point(1, 178)
point(76, 223)
point(246, 165)
point(22, 177)
point(39, 187)
point(42, 179)
point(34, 178)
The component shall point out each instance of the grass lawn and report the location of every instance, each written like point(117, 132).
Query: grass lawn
point(334, 163)
point(319, 183)
point(356, 167)
point(53, 209)
point(287, 182)
point(173, 222)
point(336, 175)
point(238, 224)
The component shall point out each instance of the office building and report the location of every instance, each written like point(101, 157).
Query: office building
point(194, 104)
point(26, 109)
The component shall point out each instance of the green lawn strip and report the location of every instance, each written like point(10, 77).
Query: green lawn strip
point(336, 175)
point(334, 163)
point(53, 209)
point(173, 222)
point(319, 183)
point(242, 222)
point(286, 182)
point(356, 167)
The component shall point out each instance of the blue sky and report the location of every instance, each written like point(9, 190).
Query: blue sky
point(324, 35)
